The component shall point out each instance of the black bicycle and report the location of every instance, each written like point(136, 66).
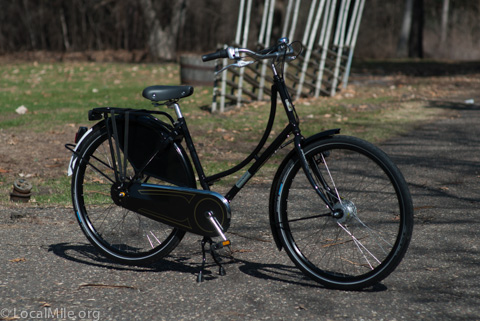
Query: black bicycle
point(339, 206)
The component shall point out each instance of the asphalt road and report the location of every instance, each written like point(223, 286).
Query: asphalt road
point(49, 271)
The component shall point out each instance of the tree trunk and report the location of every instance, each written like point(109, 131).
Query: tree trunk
point(403, 40)
point(410, 42)
point(415, 46)
point(28, 22)
point(162, 41)
point(63, 22)
point(444, 25)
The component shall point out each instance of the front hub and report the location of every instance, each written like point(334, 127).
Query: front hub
point(345, 211)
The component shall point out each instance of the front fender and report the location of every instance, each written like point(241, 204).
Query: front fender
point(276, 187)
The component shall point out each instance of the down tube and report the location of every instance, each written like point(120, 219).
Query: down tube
point(259, 162)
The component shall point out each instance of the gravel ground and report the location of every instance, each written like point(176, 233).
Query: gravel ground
point(50, 271)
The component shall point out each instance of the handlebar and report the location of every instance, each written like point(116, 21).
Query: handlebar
point(220, 53)
point(281, 49)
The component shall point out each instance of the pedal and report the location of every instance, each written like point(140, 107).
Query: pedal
point(221, 244)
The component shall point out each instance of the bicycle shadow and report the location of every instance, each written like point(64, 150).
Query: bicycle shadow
point(88, 255)
point(289, 275)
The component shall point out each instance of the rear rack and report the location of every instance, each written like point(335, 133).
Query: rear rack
point(103, 112)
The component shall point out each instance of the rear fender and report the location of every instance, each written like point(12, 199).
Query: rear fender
point(145, 134)
point(73, 159)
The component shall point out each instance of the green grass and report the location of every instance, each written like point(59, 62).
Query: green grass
point(62, 93)
point(53, 191)
point(59, 93)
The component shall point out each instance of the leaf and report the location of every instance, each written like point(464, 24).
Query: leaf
point(228, 138)
point(19, 259)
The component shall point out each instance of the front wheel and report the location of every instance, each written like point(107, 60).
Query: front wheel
point(366, 236)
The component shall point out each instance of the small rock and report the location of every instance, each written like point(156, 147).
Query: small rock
point(22, 110)
point(16, 216)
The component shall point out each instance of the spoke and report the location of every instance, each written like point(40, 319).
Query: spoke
point(158, 241)
point(151, 244)
point(375, 235)
point(331, 178)
point(360, 247)
point(309, 217)
point(99, 171)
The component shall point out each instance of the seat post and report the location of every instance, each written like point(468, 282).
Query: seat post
point(177, 109)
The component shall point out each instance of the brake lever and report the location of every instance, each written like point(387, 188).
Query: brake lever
point(238, 64)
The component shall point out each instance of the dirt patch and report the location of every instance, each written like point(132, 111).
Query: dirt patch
point(37, 157)
point(29, 154)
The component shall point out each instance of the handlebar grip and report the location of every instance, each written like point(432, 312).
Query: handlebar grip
point(220, 53)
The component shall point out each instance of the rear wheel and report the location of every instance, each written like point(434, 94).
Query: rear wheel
point(366, 236)
point(118, 233)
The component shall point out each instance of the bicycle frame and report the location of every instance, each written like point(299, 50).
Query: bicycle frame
point(132, 167)
point(292, 128)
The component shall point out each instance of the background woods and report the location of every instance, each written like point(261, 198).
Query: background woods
point(390, 28)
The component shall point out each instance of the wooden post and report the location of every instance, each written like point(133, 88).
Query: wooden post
point(244, 44)
point(266, 43)
point(304, 41)
point(311, 42)
point(288, 15)
point(241, 10)
point(224, 83)
point(339, 42)
point(334, 55)
point(295, 20)
point(352, 39)
point(293, 25)
point(324, 42)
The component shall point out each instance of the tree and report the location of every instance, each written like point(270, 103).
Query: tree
point(410, 41)
point(415, 46)
point(444, 24)
point(162, 39)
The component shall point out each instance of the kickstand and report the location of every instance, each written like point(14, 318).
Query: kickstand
point(213, 248)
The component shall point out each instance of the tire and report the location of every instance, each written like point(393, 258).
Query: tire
point(367, 243)
point(118, 233)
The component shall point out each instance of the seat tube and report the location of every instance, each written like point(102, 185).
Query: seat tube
point(190, 145)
